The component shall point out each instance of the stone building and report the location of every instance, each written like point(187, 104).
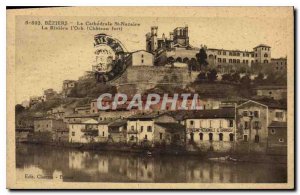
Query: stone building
point(85, 109)
point(35, 99)
point(72, 118)
point(48, 125)
point(277, 137)
point(279, 64)
point(117, 131)
point(176, 48)
point(49, 94)
point(68, 85)
point(253, 121)
point(83, 132)
point(211, 130)
point(275, 92)
point(142, 128)
point(140, 58)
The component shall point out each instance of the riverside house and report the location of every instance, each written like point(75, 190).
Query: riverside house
point(152, 128)
point(253, 121)
point(117, 131)
point(211, 130)
point(83, 132)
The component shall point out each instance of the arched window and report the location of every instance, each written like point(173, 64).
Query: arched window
point(210, 136)
point(231, 137)
point(201, 136)
point(266, 55)
point(220, 136)
point(256, 139)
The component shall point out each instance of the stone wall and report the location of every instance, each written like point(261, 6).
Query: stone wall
point(140, 78)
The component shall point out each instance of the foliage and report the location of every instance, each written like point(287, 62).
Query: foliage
point(212, 75)
point(202, 58)
point(19, 108)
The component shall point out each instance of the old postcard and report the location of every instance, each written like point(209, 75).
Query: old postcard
point(150, 98)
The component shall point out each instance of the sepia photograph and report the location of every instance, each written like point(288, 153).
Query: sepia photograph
point(150, 98)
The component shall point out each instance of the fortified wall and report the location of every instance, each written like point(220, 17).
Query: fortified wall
point(137, 79)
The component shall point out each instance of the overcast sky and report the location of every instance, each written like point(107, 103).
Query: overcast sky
point(45, 58)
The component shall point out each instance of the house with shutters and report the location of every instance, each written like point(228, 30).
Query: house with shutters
point(253, 123)
point(154, 128)
point(211, 130)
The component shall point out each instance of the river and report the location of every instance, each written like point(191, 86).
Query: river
point(72, 165)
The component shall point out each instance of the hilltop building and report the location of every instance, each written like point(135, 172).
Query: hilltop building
point(176, 48)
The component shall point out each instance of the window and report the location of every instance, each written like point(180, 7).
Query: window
point(219, 60)
point(245, 113)
point(279, 115)
point(132, 128)
point(256, 139)
point(247, 125)
point(273, 131)
point(132, 138)
point(221, 137)
point(256, 114)
point(201, 136)
point(149, 129)
point(191, 123)
point(245, 138)
point(210, 135)
point(230, 123)
point(103, 134)
point(160, 136)
point(231, 137)
point(224, 52)
point(73, 133)
point(142, 61)
point(266, 55)
point(146, 137)
point(142, 55)
point(281, 140)
point(224, 60)
point(142, 128)
point(256, 125)
point(192, 137)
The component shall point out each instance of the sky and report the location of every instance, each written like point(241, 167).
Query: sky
point(45, 58)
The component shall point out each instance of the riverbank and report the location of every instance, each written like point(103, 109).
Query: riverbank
point(171, 150)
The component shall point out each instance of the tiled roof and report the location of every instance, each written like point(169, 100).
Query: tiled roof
point(271, 87)
point(172, 127)
point(270, 103)
point(210, 114)
point(262, 45)
point(118, 123)
point(278, 124)
point(150, 115)
point(82, 115)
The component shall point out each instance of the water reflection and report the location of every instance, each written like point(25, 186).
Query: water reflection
point(85, 166)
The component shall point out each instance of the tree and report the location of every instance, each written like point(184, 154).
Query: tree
point(259, 80)
point(226, 77)
point(235, 77)
point(245, 81)
point(202, 58)
point(201, 76)
point(212, 75)
point(19, 108)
